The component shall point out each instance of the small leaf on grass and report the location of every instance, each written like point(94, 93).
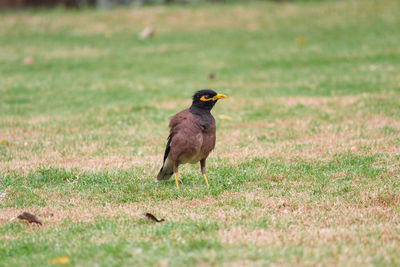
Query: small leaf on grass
point(28, 61)
point(211, 76)
point(147, 33)
point(2, 142)
point(29, 217)
point(59, 260)
point(300, 41)
point(152, 217)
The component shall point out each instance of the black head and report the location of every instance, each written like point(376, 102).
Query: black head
point(206, 99)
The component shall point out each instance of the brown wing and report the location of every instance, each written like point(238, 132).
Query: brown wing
point(186, 137)
point(176, 123)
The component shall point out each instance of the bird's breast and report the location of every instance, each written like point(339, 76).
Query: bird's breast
point(199, 138)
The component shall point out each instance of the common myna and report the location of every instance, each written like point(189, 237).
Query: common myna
point(191, 137)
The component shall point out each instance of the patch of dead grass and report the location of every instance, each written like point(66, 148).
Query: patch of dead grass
point(293, 223)
point(294, 220)
point(81, 52)
point(287, 138)
point(355, 134)
point(290, 221)
point(166, 48)
point(55, 160)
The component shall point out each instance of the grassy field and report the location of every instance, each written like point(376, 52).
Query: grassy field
point(306, 172)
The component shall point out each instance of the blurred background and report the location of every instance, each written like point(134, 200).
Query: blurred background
point(92, 3)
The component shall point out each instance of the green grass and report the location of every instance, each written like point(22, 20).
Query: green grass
point(305, 173)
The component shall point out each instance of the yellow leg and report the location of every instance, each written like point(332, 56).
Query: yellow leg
point(176, 180)
point(205, 179)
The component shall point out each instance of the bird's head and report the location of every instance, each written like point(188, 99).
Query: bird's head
point(206, 99)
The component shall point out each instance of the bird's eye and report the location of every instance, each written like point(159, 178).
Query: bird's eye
point(205, 98)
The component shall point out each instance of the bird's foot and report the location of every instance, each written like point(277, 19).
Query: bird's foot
point(205, 179)
point(176, 180)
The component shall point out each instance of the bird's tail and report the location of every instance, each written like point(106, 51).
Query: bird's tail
point(166, 170)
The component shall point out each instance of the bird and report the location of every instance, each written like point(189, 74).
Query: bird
point(191, 137)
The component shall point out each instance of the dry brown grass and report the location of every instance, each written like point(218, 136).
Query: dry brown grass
point(291, 221)
point(361, 132)
point(373, 206)
point(354, 132)
point(297, 219)
point(84, 163)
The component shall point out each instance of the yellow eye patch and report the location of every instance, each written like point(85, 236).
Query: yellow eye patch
point(218, 96)
point(203, 98)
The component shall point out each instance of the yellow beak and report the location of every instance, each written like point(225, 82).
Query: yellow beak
point(219, 96)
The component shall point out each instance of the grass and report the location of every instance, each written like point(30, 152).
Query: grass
point(305, 173)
